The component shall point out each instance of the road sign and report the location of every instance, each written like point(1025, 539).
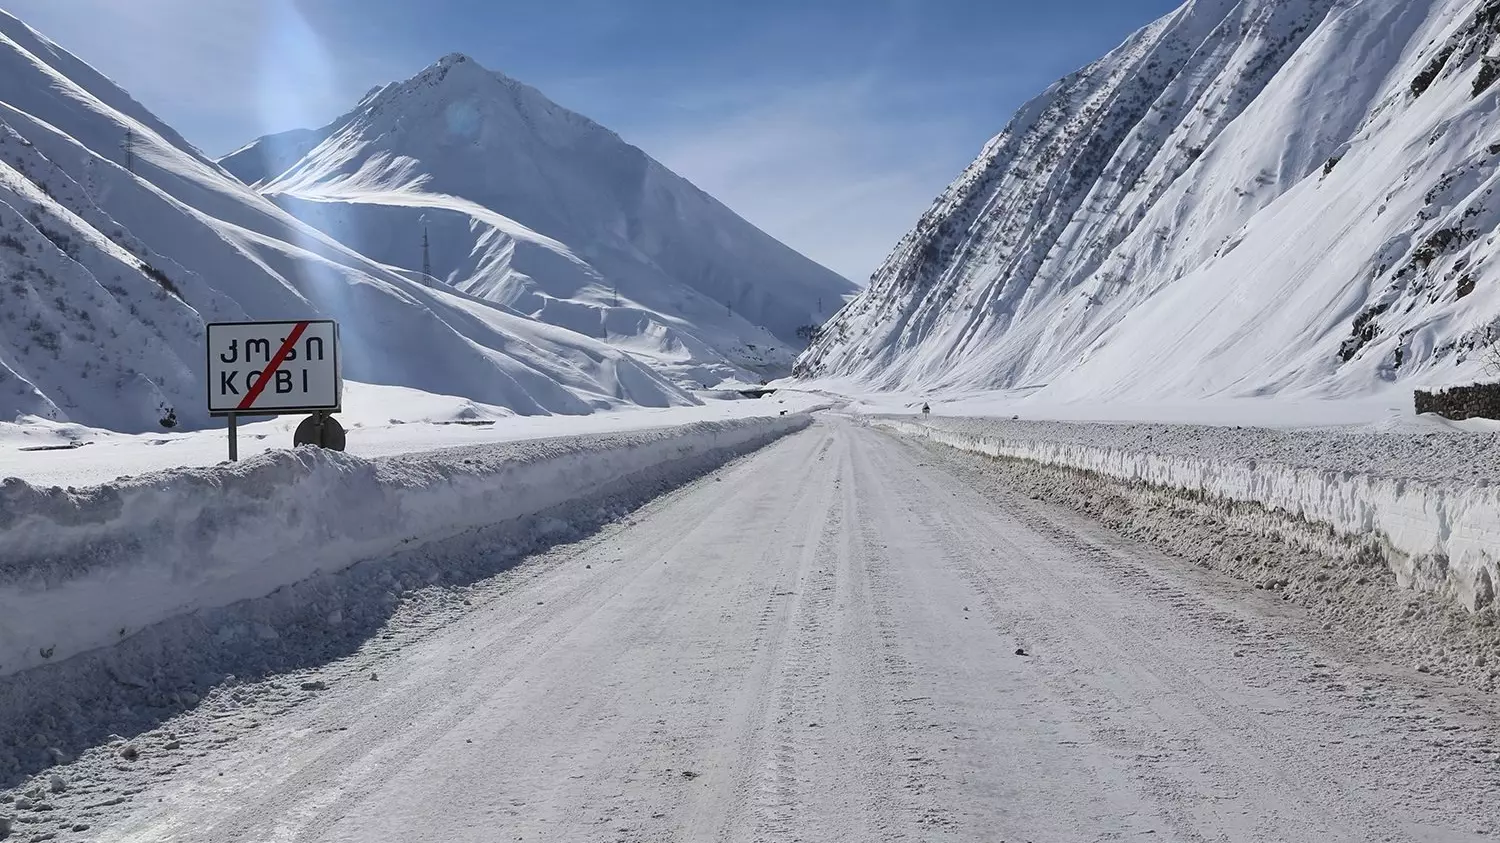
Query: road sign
point(269, 368)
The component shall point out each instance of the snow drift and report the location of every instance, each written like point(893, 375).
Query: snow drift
point(1248, 197)
point(84, 568)
point(1434, 516)
point(501, 193)
point(118, 240)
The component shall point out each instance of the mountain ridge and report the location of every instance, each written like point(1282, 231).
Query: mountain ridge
point(541, 209)
point(119, 240)
point(1126, 237)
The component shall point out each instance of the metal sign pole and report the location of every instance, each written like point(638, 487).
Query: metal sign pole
point(234, 445)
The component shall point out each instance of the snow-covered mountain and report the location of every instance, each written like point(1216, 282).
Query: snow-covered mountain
point(494, 189)
point(1248, 197)
point(119, 240)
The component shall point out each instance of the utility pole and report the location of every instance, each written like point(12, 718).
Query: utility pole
point(426, 250)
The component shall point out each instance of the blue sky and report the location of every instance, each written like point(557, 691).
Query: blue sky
point(831, 124)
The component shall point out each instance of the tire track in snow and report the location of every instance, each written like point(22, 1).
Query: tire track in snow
point(638, 553)
point(829, 778)
point(666, 687)
point(317, 792)
point(909, 710)
point(1271, 734)
point(1080, 640)
point(754, 791)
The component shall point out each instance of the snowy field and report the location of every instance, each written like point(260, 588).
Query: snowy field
point(907, 646)
point(82, 569)
point(381, 421)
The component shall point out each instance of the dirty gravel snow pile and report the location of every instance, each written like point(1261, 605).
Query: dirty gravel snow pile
point(86, 568)
point(1429, 503)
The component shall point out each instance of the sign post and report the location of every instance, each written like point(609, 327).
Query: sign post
point(273, 368)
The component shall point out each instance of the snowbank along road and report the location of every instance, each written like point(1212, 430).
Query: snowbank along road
point(845, 636)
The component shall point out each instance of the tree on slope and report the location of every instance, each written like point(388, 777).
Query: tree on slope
point(1490, 354)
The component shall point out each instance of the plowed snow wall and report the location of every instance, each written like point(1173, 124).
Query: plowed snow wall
point(83, 568)
point(1439, 536)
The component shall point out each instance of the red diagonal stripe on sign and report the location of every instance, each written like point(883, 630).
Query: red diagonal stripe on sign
point(266, 373)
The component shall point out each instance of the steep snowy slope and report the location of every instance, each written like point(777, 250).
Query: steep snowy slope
point(522, 202)
point(118, 241)
point(1248, 197)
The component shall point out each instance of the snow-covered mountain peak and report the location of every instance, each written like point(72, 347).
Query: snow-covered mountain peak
point(491, 187)
point(118, 240)
point(452, 59)
point(453, 73)
point(466, 96)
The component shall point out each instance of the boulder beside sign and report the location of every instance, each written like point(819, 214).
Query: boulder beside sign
point(322, 430)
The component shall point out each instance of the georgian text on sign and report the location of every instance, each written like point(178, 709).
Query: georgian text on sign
point(273, 367)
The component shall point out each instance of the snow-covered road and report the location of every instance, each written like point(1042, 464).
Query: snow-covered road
point(824, 641)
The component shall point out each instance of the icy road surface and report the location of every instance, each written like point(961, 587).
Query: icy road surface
point(825, 642)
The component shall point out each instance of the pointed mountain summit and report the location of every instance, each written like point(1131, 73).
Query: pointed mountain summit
point(501, 193)
point(119, 240)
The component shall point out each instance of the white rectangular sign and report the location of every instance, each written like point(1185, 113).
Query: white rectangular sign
point(263, 368)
